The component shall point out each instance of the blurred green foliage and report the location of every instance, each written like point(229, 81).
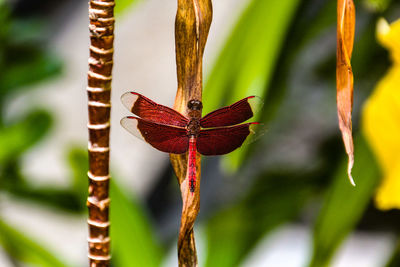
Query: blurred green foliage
point(14, 139)
point(235, 229)
point(344, 204)
point(246, 63)
point(283, 51)
point(233, 232)
point(24, 61)
point(23, 249)
point(394, 261)
point(122, 5)
point(134, 243)
point(133, 240)
point(377, 5)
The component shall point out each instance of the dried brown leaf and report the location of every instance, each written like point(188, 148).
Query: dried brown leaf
point(193, 20)
point(344, 75)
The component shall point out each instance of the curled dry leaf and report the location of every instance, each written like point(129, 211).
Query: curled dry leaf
point(344, 75)
point(193, 20)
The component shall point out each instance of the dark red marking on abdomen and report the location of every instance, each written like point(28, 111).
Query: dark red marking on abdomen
point(192, 164)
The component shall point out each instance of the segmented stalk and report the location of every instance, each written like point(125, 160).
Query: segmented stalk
point(101, 15)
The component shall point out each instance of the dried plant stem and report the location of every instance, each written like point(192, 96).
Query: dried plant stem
point(193, 20)
point(101, 15)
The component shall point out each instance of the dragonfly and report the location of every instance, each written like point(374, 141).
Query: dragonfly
point(217, 133)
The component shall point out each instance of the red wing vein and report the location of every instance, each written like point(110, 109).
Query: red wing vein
point(219, 141)
point(236, 113)
point(165, 138)
point(151, 111)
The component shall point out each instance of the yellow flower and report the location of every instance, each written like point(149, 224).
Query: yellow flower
point(381, 120)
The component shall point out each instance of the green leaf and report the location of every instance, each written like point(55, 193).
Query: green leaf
point(26, 250)
point(122, 5)
point(133, 239)
point(377, 5)
point(79, 165)
point(64, 199)
point(17, 138)
point(26, 33)
point(72, 199)
point(27, 67)
point(4, 14)
point(23, 60)
point(246, 64)
point(394, 260)
point(233, 232)
point(344, 204)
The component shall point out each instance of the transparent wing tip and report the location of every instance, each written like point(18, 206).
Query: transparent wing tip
point(128, 99)
point(255, 103)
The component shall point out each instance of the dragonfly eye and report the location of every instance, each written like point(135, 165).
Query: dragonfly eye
point(195, 105)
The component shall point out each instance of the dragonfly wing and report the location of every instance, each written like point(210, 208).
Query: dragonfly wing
point(236, 113)
point(151, 111)
point(219, 141)
point(165, 138)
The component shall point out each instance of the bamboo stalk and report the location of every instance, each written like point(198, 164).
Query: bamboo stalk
point(101, 15)
point(193, 20)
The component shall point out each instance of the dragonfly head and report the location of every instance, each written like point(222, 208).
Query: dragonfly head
point(195, 105)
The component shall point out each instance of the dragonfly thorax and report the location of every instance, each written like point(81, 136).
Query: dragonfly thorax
point(195, 107)
point(193, 128)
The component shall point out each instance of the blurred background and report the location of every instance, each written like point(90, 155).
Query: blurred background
point(283, 200)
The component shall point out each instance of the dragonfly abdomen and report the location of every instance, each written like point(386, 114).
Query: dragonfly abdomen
point(192, 164)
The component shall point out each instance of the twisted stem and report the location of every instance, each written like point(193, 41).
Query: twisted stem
point(193, 20)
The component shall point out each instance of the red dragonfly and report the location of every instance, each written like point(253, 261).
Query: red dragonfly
point(169, 131)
